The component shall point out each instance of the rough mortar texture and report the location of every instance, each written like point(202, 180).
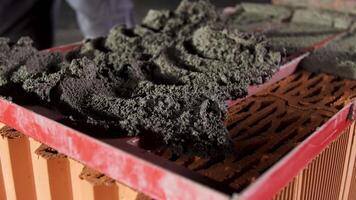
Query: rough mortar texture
point(250, 13)
point(289, 28)
point(167, 78)
point(337, 58)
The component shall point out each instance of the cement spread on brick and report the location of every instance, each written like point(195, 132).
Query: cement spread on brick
point(337, 58)
point(290, 28)
point(253, 15)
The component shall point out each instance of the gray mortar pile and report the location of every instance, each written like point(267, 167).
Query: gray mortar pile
point(20, 61)
point(290, 28)
point(169, 77)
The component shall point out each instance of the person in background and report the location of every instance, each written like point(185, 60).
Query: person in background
point(36, 18)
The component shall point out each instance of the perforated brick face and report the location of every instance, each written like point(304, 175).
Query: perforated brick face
point(265, 127)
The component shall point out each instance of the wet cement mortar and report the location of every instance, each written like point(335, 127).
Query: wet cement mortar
point(19, 61)
point(168, 78)
point(289, 28)
point(254, 15)
point(337, 58)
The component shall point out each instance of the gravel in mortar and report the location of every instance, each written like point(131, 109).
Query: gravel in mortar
point(169, 77)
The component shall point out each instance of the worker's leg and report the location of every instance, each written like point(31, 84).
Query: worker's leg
point(97, 17)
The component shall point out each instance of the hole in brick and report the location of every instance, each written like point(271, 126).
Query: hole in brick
point(265, 104)
point(237, 122)
point(248, 146)
point(293, 88)
point(210, 163)
point(325, 116)
point(261, 117)
point(239, 179)
point(300, 104)
point(297, 77)
point(337, 88)
point(316, 101)
point(275, 89)
point(281, 143)
point(296, 94)
point(339, 107)
point(336, 79)
point(315, 93)
point(315, 83)
point(50, 150)
point(99, 176)
point(286, 123)
point(312, 75)
point(265, 128)
point(333, 102)
point(304, 135)
point(282, 114)
point(246, 108)
point(240, 133)
point(307, 121)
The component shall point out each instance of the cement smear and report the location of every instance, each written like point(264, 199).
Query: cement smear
point(290, 28)
point(294, 37)
point(308, 27)
point(338, 58)
point(322, 18)
point(168, 78)
point(250, 16)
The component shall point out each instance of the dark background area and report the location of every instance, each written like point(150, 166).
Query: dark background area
point(67, 30)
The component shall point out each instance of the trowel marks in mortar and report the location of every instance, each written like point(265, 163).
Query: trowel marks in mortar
point(168, 77)
point(337, 58)
point(289, 28)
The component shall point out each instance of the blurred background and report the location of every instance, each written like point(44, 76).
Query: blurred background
point(67, 30)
